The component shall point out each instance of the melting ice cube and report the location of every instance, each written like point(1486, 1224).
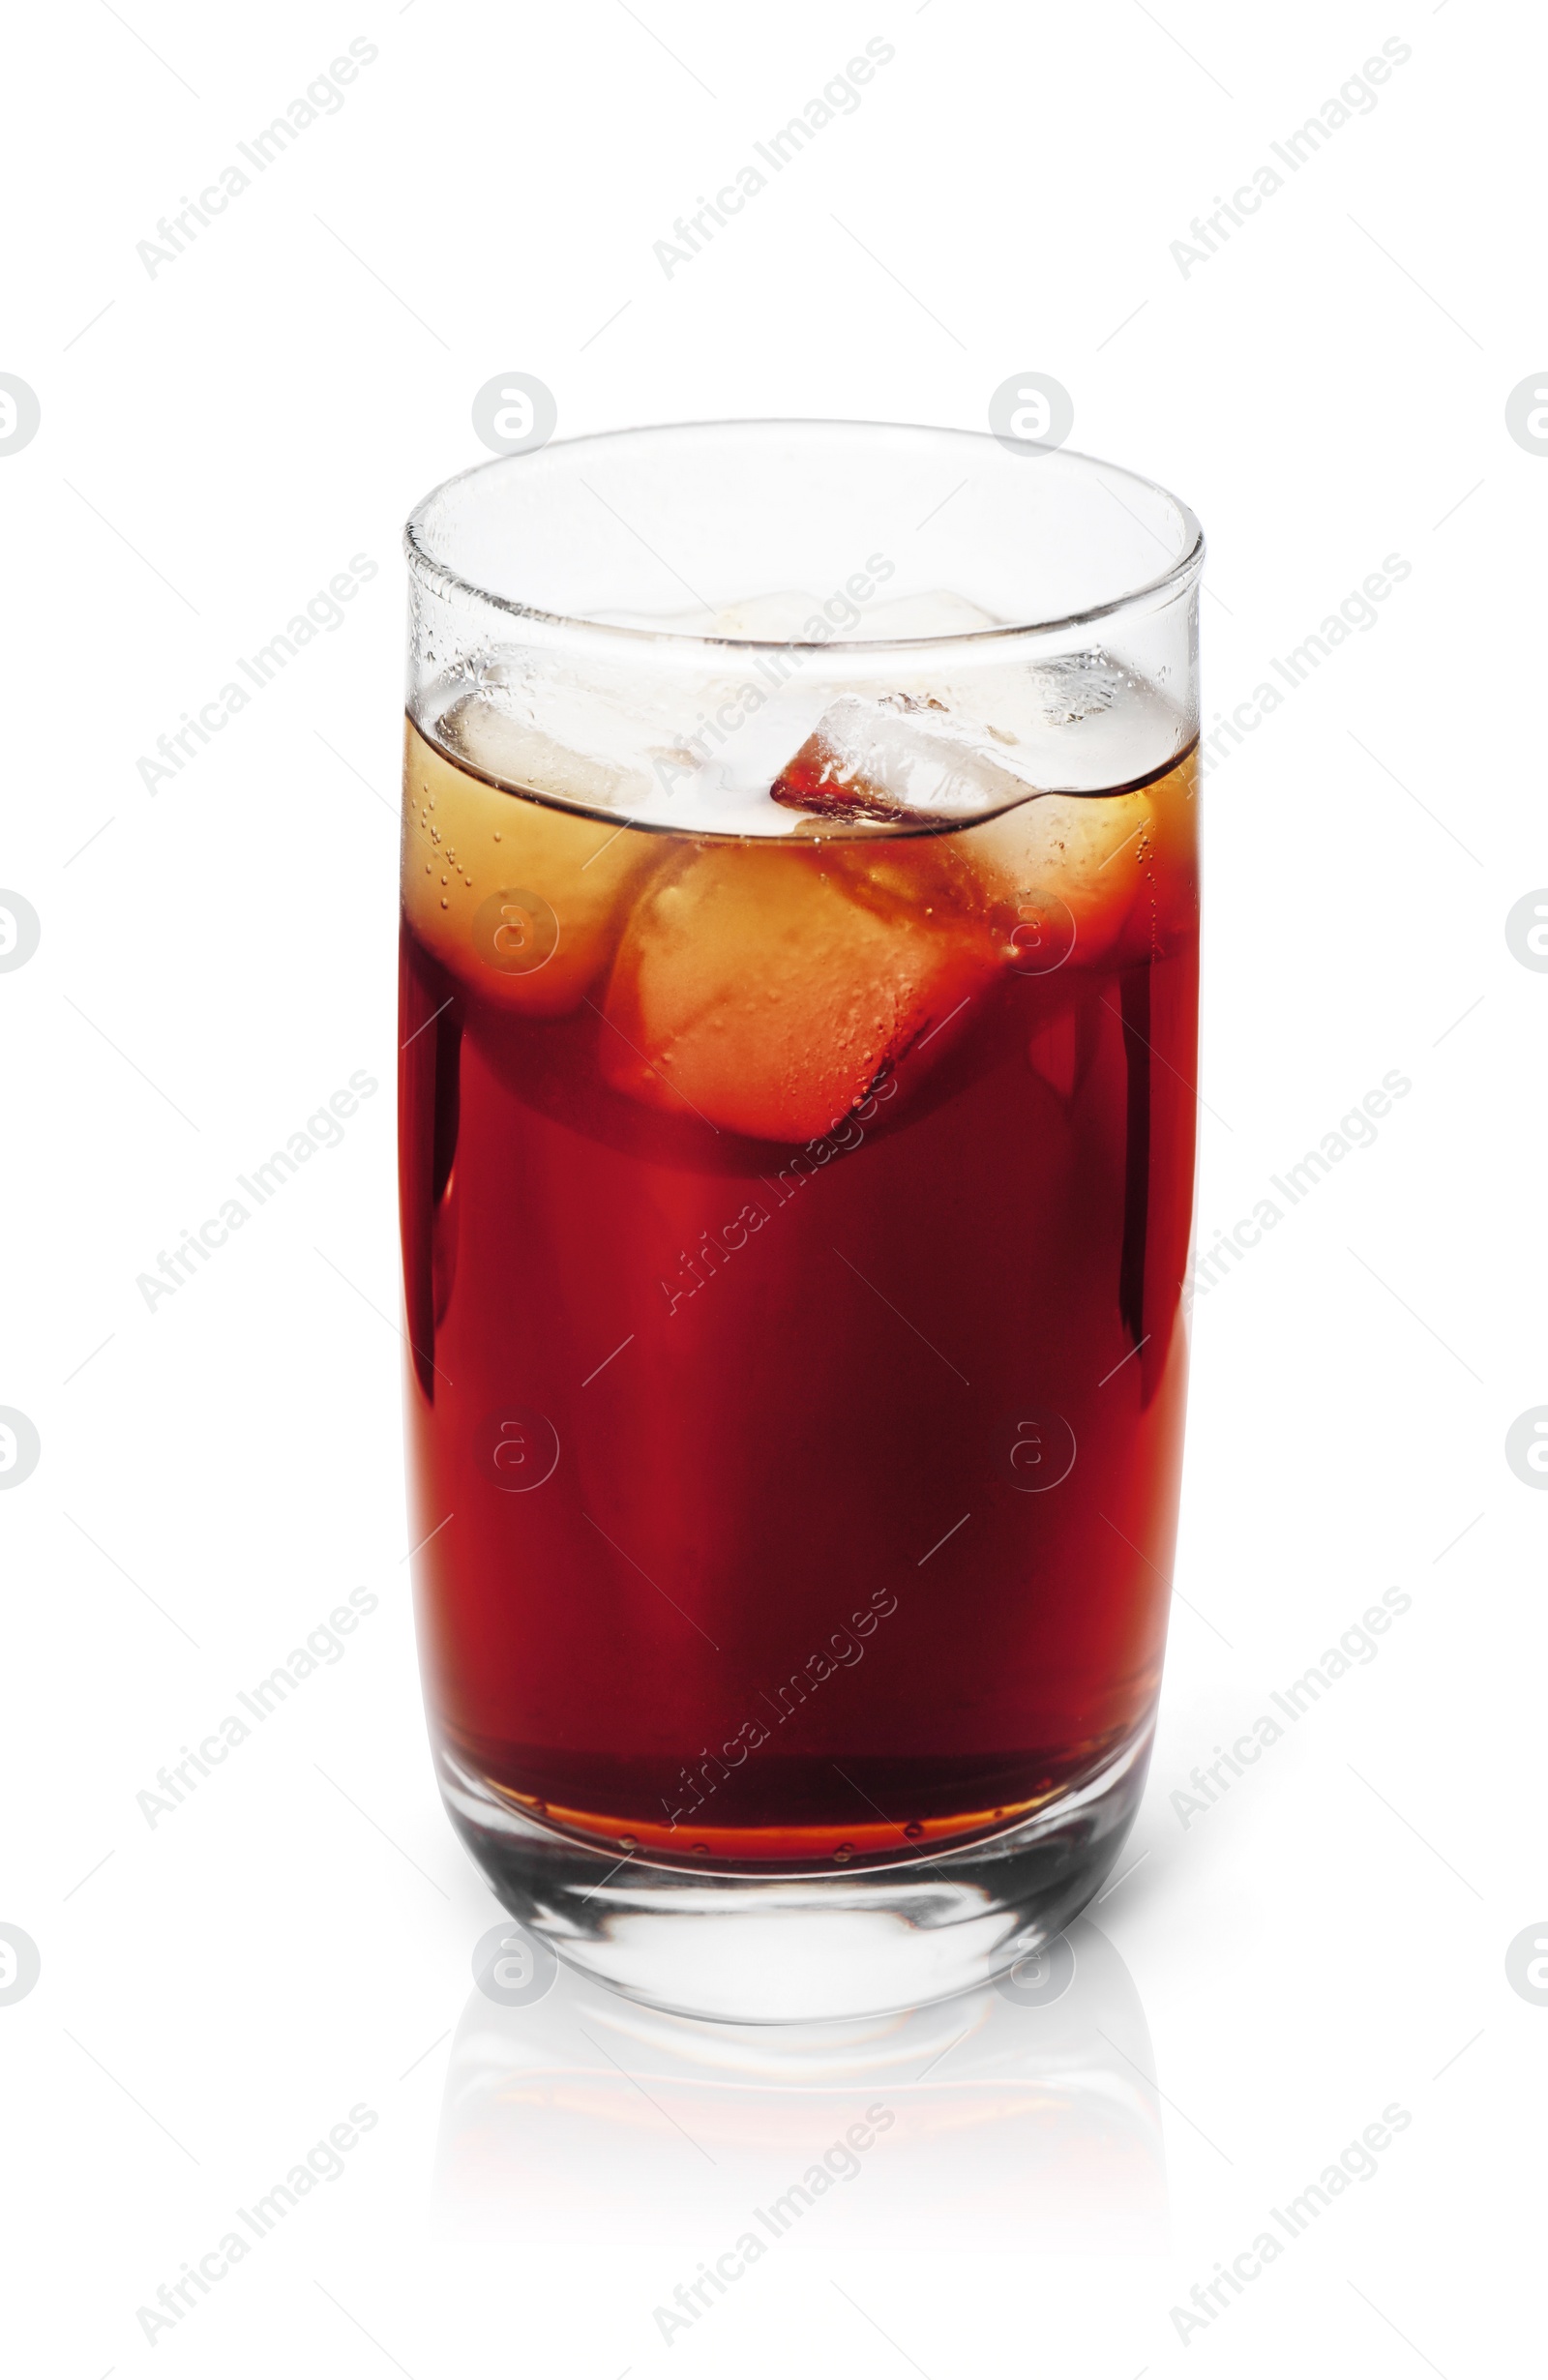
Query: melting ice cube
point(898, 758)
point(1076, 687)
point(935, 614)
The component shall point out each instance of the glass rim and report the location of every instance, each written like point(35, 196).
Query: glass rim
point(1183, 569)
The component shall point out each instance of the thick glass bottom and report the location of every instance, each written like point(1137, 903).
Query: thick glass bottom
point(771, 1950)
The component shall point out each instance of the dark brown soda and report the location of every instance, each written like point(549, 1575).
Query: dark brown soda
point(797, 1374)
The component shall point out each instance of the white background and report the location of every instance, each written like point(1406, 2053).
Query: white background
point(217, 440)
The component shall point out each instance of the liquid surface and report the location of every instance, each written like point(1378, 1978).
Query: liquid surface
point(793, 1233)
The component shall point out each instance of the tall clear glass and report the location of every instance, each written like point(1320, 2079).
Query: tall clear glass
point(798, 1014)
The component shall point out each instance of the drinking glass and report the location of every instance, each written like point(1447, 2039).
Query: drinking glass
point(798, 1000)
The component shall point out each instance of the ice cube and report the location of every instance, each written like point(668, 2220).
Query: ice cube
point(777, 618)
point(1121, 868)
point(790, 615)
point(780, 618)
point(519, 754)
point(1075, 723)
point(898, 758)
point(937, 614)
point(1076, 687)
point(759, 990)
point(1061, 875)
point(593, 739)
point(520, 899)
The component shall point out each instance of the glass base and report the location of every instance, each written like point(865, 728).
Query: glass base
point(746, 1948)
